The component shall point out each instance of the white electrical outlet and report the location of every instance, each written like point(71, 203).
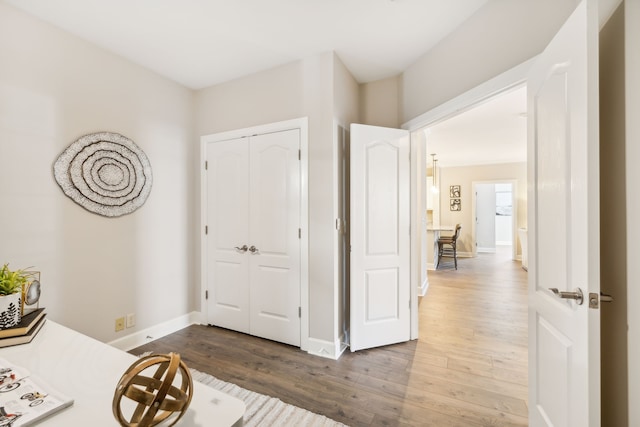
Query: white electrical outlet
point(131, 320)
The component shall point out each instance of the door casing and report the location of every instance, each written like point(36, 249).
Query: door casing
point(514, 214)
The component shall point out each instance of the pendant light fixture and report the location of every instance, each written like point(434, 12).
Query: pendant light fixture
point(434, 186)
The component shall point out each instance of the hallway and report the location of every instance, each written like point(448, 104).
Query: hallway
point(474, 321)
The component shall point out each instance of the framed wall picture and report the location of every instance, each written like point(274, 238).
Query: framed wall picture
point(454, 191)
point(455, 205)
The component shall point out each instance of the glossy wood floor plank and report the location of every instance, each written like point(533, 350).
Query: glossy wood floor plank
point(469, 367)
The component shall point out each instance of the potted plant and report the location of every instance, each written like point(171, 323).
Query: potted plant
point(11, 285)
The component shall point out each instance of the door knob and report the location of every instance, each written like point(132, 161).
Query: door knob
point(243, 248)
point(575, 295)
point(253, 249)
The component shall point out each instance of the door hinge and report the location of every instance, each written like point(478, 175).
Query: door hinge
point(206, 294)
point(299, 154)
point(299, 233)
point(299, 312)
point(206, 165)
point(409, 304)
point(206, 229)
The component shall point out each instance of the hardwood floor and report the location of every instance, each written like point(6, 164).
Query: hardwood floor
point(469, 367)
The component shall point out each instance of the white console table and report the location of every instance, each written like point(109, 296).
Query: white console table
point(87, 371)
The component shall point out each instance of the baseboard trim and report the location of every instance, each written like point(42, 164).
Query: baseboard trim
point(326, 349)
point(147, 335)
point(422, 290)
point(486, 250)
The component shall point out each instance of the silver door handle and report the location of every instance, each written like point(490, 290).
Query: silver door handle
point(253, 249)
point(243, 248)
point(575, 295)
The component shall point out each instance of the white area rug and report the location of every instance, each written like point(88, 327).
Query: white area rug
point(265, 411)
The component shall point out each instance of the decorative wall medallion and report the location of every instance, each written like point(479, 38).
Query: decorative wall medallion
point(105, 173)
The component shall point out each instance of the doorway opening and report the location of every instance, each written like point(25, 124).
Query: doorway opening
point(495, 218)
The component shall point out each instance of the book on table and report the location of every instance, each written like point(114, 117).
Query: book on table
point(23, 339)
point(26, 399)
point(27, 323)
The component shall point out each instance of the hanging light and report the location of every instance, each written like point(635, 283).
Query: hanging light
point(434, 187)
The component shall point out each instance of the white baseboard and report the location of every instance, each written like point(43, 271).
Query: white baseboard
point(316, 347)
point(422, 290)
point(486, 250)
point(147, 335)
point(327, 349)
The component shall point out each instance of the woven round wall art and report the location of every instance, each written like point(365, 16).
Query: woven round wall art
point(105, 173)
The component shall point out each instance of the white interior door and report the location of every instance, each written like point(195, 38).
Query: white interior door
point(274, 246)
point(564, 335)
point(228, 216)
point(486, 218)
point(253, 243)
point(380, 236)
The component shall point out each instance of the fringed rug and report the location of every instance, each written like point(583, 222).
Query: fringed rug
point(264, 410)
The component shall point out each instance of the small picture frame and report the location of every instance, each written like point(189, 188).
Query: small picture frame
point(455, 205)
point(454, 191)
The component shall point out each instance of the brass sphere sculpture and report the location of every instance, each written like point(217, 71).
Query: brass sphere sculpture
point(156, 396)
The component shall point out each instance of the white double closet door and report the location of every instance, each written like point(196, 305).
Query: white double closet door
point(253, 240)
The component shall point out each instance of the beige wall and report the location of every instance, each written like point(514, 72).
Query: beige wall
point(271, 96)
point(499, 36)
point(346, 94)
point(380, 102)
point(54, 89)
point(465, 176)
point(613, 259)
point(299, 89)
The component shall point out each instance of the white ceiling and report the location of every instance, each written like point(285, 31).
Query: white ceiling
point(493, 132)
point(199, 43)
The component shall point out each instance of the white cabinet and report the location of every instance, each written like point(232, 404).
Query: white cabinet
point(253, 190)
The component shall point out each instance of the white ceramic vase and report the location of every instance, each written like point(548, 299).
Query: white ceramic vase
point(10, 314)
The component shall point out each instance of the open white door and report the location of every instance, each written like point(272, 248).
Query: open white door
point(564, 333)
point(380, 239)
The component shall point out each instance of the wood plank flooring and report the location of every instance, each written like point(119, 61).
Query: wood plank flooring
point(469, 367)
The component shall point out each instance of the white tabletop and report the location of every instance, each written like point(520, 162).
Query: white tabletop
point(87, 371)
point(440, 228)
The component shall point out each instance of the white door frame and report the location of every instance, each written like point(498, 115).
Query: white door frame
point(303, 126)
point(509, 80)
point(514, 214)
point(632, 64)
